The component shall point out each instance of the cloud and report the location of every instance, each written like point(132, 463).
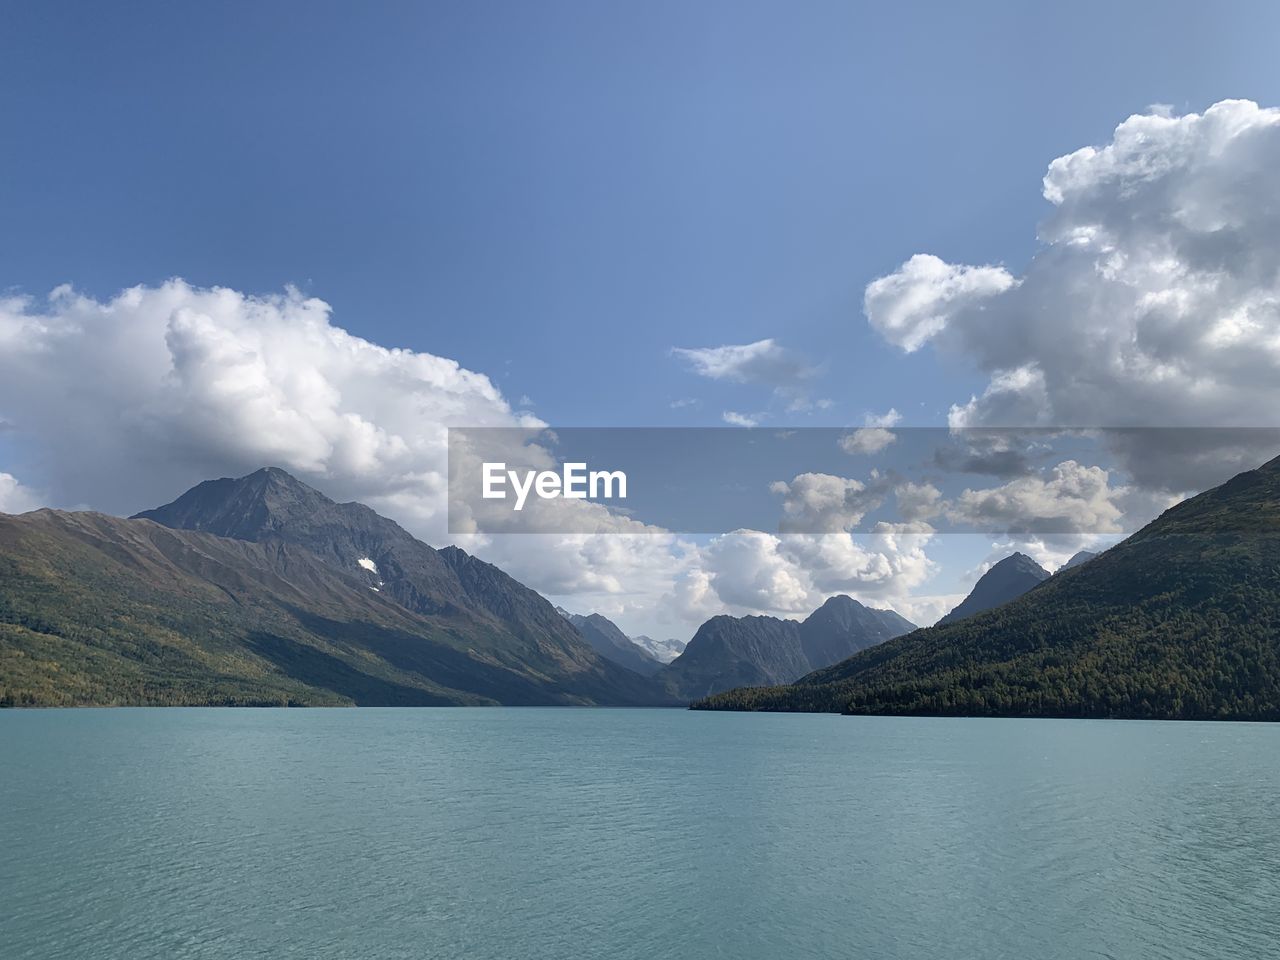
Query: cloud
point(693, 597)
point(740, 419)
point(997, 453)
point(918, 501)
point(792, 574)
point(916, 302)
point(1069, 498)
point(926, 610)
point(822, 503)
point(867, 440)
point(818, 503)
point(1154, 299)
point(130, 400)
point(747, 571)
point(14, 497)
point(620, 572)
point(890, 418)
point(763, 363)
point(1073, 498)
point(874, 437)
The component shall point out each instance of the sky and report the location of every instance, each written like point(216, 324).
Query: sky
point(346, 226)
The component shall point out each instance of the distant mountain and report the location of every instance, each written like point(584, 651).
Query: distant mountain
point(1007, 580)
point(263, 590)
point(752, 651)
point(737, 651)
point(1084, 556)
point(842, 626)
point(612, 644)
point(1179, 621)
point(662, 650)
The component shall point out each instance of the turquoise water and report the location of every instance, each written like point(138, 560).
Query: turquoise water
point(561, 833)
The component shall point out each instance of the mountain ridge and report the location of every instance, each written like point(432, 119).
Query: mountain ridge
point(728, 651)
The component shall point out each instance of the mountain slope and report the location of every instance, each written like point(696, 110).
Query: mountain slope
point(98, 610)
point(270, 591)
point(748, 651)
point(612, 644)
point(1006, 580)
point(1180, 621)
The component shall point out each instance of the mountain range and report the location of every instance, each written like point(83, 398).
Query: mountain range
point(732, 651)
point(1179, 621)
point(748, 651)
point(611, 643)
point(261, 590)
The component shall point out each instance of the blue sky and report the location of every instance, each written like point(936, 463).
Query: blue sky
point(558, 195)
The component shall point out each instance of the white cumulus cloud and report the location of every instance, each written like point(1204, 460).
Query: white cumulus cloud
point(1154, 299)
point(1071, 498)
point(916, 302)
point(129, 401)
point(14, 497)
point(823, 503)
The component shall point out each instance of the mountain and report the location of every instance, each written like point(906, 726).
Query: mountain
point(731, 652)
point(263, 590)
point(662, 650)
point(270, 506)
point(1084, 556)
point(1179, 621)
point(1007, 580)
point(842, 626)
point(751, 651)
point(612, 644)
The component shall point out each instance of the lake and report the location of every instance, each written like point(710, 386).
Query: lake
point(523, 834)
